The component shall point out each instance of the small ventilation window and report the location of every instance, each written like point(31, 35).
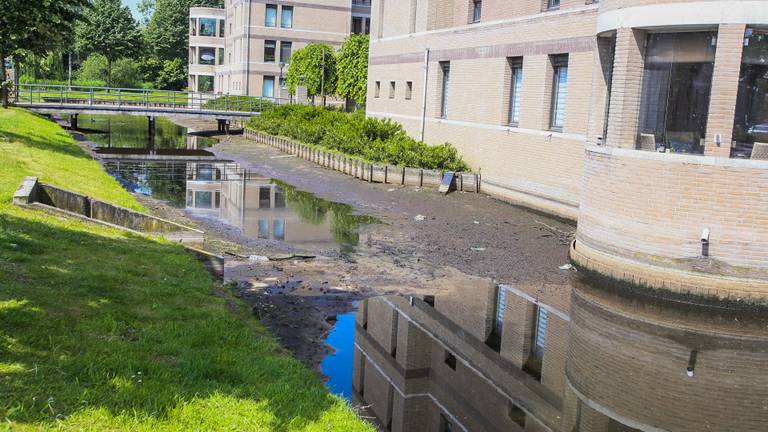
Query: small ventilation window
point(450, 360)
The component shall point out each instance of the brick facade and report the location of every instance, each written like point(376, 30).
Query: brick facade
point(656, 209)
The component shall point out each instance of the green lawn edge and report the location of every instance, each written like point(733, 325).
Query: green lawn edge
point(104, 330)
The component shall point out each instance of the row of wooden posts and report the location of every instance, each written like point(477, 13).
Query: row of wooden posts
point(374, 173)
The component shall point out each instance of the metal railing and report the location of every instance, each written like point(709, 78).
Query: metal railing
point(60, 95)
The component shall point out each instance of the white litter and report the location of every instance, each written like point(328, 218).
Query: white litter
point(477, 249)
point(420, 218)
point(258, 258)
point(565, 267)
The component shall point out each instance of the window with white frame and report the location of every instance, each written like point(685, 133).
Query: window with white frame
point(515, 89)
point(445, 80)
point(559, 92)
point(270, 16)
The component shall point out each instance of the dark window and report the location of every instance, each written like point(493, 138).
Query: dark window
point(203, 199)
point(220, 59)
point(517, 414)
point(559, 91)
point(285, 51)
point(751, 122)
point(270, 16)
point(357, 25)
point(430, 300)
point(208, 27)
point(377, 89)
point(553, 4)
point(221, 28)
point(286, 17)
point(279, 198)
point(477, 7)
point(515, 90)
point(408, 90)
point(538, 342)
point(677, 78)
point(445, 68)
point(367, 26)
point(395, 322)
point(204, 83)
point(497, 325)
point(278, 229)
point(193, 26)
point(265, 195)
point(391, 89)
point(450, 360)
point(269, 51)
point(206, 56)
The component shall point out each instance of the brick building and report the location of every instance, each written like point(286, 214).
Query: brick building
point(643, 119)
point(244, 49)
point(494, 358)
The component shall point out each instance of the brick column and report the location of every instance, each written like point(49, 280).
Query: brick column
point(626, 89)
point(725, 89)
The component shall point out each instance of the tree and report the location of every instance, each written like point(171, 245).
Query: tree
point(173, 75)
point(109, 30)
point(126, 74)
point(314, 67)
point(94, 68)
point(35, 27)
point(146, 9)
point(352, 69)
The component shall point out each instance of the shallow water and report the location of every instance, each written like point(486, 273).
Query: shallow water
point(337, 366)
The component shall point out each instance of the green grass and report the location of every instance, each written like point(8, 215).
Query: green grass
point(104, 330)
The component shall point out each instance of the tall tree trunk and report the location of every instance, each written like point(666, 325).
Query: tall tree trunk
point(3, 78)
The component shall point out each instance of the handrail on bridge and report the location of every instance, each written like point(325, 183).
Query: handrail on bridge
point(63, 95)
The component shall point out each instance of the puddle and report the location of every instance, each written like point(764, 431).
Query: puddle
point(337, 366)
point(180, 172)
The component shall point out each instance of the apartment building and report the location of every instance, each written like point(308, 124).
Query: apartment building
point(245, 48)
point(645, 120)
point(494, 358)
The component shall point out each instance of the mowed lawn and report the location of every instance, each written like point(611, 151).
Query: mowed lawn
point(103, 330)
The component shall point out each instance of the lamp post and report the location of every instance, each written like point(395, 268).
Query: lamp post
point(280, 80)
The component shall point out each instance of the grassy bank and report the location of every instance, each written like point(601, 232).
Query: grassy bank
point(370, 139)
point(103, 330)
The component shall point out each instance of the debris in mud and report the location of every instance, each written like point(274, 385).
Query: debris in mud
point(566, 267)
point(477, 249)
point(258, 258)
point(420, 218)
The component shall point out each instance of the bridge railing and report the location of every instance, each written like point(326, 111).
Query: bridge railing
point(107, 96)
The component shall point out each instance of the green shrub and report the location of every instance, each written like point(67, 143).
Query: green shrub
point(95, 67)
point(375, 140)
point(126, 74)
point(240, 103)
point(75, 82)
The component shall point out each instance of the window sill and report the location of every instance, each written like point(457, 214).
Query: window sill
point(557, 129)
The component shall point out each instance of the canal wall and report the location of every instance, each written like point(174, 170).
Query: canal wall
point(40, 196)
point(370, 172)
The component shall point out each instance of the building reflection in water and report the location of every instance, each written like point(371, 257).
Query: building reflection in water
point(493, 358)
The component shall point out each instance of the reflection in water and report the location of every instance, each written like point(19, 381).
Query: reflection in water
point(338, 365)
point(493, 358)
point(261, 208)
point(125, 131)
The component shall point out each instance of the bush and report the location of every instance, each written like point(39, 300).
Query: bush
point(375, 140)
point(94, 68)
point(75, 82)
point(240, 103)
point(126, 74)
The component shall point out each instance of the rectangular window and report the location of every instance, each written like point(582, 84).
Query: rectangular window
point(559, 92)
point(286, 17)
point(278, 229)
point(515, 90)
point(279, 198)
point(204, 83)
point(264, 229)
point(206, 56)
point(285, 51)
point(377, 89)
point(367, 26)
point(269, 51)
point(497, 325)
point(477, 7)
point(516, 414)
point(193, 26)
point(408, 90)
point(445, 69)
point(203, 200)
point(265, 197)
point(268, 88)
point(208, 27)
point(192, 55)
point(270, 16)
point(445, 424)
point(751, 121)
point(553, 4)
point(391, 89)
point(538, 342)
point(677, 79)
point(357, 25)
point(222, 26)
point(221, 56)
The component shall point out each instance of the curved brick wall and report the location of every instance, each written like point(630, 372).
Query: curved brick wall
point(614, 14)
point(650, 209)
point(631, 365)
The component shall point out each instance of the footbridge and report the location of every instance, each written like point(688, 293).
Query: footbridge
point(75, 100)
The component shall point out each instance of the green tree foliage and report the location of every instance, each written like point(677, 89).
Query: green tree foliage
point(35, 27)
point(126, 74)
point(172, 75)
point(374, 140)
point(167, 39)
point(95, 67)
point(109, 30)
point(352, 68)
point(313, 66)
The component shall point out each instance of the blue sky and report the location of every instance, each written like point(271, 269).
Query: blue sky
point(133, 5)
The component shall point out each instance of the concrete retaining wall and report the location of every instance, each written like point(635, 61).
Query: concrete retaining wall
point(374, 173)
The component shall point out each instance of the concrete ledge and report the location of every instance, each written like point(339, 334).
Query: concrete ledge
point(25, 194)
point(677, 281)
point(536, 202)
